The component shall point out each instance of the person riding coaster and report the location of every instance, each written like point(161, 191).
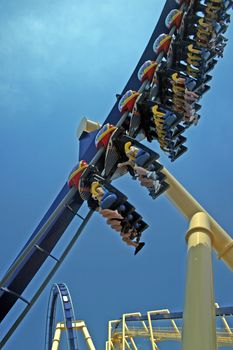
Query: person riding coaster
point(104, 197)
point(198, 51)
point(167, 126)
point(110, 202)
point(137, 158)
point(106, 200)
point(164, 118)
point(211, 11)
point(148, 179)
point(167, 77)
point(134, 155)
point(155, 122)
point(116, 218)
point(184, 100)
point(116, 154)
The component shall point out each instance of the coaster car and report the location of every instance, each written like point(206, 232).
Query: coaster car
point(156, 121)
point(127, 101)
point(180, 93)
point(112, 205)
point(165, 122)
point(187, 50)
point(142, 165)
point(192, 22)
point(174, 18)
point(176, 153)
point(147, 71)
point(217, 10)
point(205, 31)
point(104, 134)
point(123, 153)
point(212, 9)
point(195, 61)
point(165, 118)
point(184, 98)
point(168, 77)
point(182, 2)
point(162, 44)
point(76, 173)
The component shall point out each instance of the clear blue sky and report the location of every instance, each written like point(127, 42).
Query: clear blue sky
point(60, 61)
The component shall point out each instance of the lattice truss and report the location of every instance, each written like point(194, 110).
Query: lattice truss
point(134, 331)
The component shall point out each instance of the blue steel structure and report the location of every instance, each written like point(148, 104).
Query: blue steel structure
point(12, 288)
point(66, 206)
point(61, 292)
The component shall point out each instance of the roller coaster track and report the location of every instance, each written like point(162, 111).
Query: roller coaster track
point(132, 328)
point(69, 325)
point(61, 291)
point(169, 334)
point(129, 330)
point(68, 202)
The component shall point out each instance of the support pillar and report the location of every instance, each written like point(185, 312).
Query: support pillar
point(199, 328)
point(88, 338)
point(57, 337)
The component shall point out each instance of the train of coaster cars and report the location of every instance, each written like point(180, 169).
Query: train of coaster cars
point(163, 108)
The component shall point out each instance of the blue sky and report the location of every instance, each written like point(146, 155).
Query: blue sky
point(60, 61)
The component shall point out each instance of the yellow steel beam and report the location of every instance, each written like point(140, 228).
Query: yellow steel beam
point(87, 337)
point(57, 337)
point(168, 333)
point(178, 195)
point(155, 312)
point(125, 329)
point(188, 206)
point(199, 329)
point(110, 345)
point(225, 323)
point(77, 325)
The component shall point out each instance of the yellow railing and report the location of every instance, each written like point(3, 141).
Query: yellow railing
point(123, 334)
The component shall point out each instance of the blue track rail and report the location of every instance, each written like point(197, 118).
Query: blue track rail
point(61, 292)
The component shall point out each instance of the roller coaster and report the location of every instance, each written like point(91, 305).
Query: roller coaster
point(131, 331)
point(159, 104)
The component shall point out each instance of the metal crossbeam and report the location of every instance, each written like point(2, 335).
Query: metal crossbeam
point(127, 332)
point(221, 311)
point(46, 280)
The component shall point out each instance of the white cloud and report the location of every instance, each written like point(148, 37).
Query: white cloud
point(50, 34)
point(43, 43)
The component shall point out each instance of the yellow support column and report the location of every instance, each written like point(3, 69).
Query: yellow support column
point(124, 330)
point(222, 242)
point(57, 337)
point(199, 329)
point(87, 338)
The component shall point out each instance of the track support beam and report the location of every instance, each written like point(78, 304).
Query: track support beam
point(57, 337)
point(222, 242)
point(199, 330)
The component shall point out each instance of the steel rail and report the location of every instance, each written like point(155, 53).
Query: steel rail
point(46, 281)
